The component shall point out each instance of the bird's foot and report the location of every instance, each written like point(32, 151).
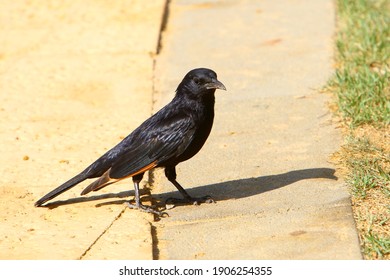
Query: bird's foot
point(190, 200)
point(147, 209)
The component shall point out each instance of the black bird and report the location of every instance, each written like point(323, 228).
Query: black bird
point(172, 135)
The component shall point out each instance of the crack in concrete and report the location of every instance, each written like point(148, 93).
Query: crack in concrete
point(103, 232)
point(151, 177)
point(150, 180)
point(164, 22)
point(155, 241)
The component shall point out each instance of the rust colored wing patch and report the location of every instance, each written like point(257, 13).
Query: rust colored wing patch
point(100, 183)
point(106, 180)
point(144, 169)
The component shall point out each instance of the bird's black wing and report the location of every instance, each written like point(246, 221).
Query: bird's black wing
point(164, 141)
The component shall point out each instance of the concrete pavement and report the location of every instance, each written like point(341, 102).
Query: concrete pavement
point(75, 78)
point(73, 74)
point(266, 161)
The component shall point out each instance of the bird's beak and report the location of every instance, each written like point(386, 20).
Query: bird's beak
point(215, 84)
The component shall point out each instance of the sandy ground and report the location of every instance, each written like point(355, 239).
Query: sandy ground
point(75, 78)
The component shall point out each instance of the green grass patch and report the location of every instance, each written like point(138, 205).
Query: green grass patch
point(362, 88)
point(362, 77)
point(376, 246)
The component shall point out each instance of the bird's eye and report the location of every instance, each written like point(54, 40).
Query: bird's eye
point(197, 80)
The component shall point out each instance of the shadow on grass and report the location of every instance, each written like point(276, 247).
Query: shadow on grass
point(221, 191)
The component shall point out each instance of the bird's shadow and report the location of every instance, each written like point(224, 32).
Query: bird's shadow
point(221, 191)
point(242, 188)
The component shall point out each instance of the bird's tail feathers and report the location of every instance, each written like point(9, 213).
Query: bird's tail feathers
point(62, 188)
point(100, 183)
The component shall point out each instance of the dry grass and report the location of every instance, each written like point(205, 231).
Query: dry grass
point(362, 101)
point(365, 161)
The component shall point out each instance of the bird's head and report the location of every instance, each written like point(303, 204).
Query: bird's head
point(200, 81)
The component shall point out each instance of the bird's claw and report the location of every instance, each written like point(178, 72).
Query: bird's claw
point(191, 200)
point(147, 209)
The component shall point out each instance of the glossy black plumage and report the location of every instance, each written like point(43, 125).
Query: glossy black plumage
point(172, 135)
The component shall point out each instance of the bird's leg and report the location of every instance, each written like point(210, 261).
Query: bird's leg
point(170, 172)
point(187, 198)
point(138, 204)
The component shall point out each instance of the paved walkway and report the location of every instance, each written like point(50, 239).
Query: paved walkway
point(266, 161)
point(78, 78)
point(75, 78)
